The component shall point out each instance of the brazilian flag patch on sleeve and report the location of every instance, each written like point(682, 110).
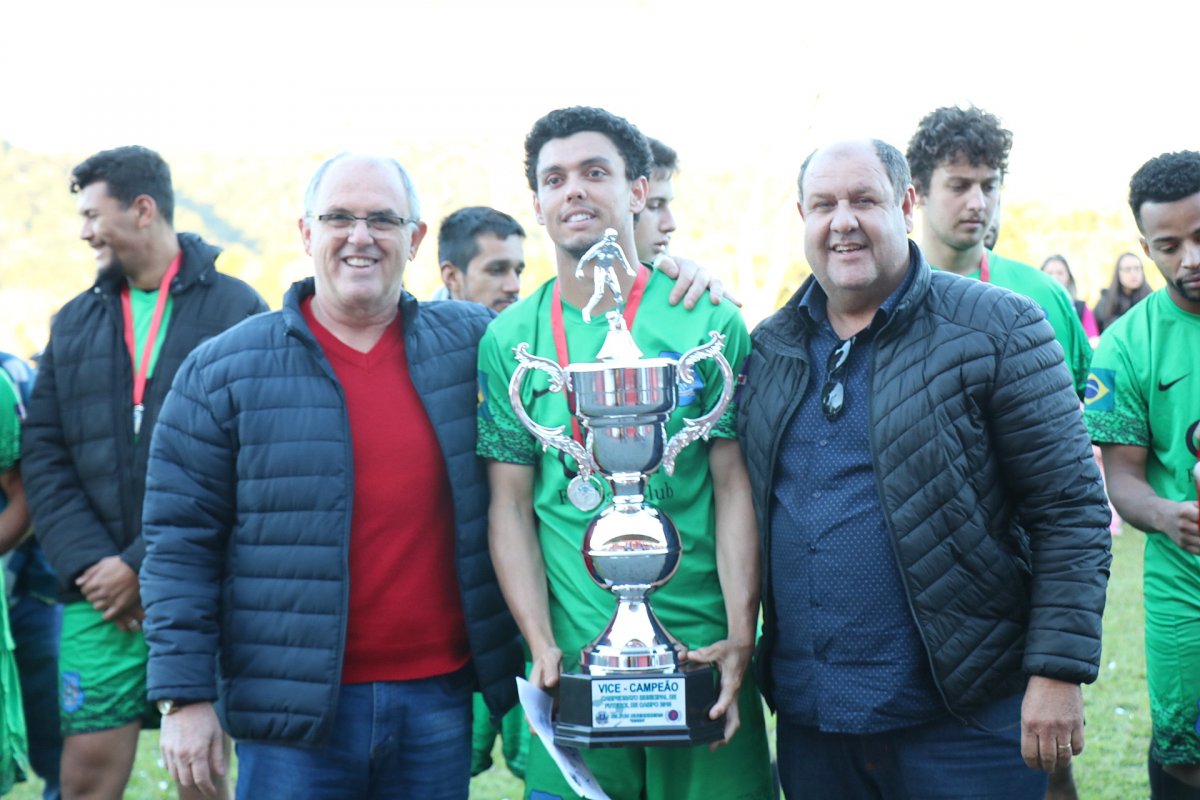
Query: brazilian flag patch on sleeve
point(484, 411)
point(1101, 390)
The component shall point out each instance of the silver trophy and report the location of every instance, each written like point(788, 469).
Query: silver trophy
point(635, 689)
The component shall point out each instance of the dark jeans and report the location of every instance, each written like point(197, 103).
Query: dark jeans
point(395, 739)
point(940, 759)
point(35, 630)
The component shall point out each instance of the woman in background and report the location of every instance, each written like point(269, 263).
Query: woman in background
point(1056, 267)
point(1127, 287)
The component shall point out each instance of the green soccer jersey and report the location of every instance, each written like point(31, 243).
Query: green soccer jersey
point(10, 423)
point(691, 604)
point(13, 746)
point(1056, 304)
point(1144, 390)
point(142, 304)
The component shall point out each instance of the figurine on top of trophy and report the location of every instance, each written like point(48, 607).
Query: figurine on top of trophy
point(602, 255)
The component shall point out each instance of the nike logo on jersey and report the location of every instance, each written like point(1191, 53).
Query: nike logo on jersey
point(1162, 387)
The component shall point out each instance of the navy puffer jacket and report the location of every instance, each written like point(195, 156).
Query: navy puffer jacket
point(84, 472)
point(247, 520)
point(985, 477)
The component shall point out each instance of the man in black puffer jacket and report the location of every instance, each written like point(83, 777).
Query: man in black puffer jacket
point(156, 297)
point(317, 570)
point(934, 527)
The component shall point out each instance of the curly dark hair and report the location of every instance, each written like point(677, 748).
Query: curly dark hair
point(128, 173)
point(564, 122)
point(952, 132)
point(1164, 179)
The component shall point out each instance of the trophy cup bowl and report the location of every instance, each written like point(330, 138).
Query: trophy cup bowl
point(625, 408)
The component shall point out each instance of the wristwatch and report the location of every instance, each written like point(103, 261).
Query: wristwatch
point(168, 707)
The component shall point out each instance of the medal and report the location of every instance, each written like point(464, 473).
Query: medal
point(583, 494)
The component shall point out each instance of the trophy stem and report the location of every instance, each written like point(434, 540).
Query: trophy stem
point(628, 488)
point(643, 644)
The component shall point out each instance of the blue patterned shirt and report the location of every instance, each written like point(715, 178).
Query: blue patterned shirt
point(849, 657)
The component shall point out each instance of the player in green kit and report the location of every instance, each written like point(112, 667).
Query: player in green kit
point(588, 170)
point(1143, 409)
point(13, 746)
point(958, 158)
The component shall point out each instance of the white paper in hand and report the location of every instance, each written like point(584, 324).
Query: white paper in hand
point(537, 705)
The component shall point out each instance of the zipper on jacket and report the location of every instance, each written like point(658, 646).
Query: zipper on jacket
point(126, 457)
point(315, 351)
point(790, 411)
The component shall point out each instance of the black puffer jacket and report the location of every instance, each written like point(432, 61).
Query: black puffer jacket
point(248, 515)
point(985, 476)
point(84, 473)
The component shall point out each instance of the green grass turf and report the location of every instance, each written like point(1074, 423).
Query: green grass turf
point(1118, 716)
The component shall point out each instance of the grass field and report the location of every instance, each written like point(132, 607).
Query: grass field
point(1118, 719)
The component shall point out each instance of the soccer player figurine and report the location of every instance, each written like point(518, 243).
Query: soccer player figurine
point(604, 253)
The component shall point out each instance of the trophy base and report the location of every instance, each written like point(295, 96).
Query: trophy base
point(639, 710)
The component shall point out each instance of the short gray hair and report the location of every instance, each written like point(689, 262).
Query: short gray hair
point(894, 164)
point(314, 185)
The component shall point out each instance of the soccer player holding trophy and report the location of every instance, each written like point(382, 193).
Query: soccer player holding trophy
point(622, 497)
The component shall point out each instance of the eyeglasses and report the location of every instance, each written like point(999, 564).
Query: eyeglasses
point(833, 396)
point(377, 221)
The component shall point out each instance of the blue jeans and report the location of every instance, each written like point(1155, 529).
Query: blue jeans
point(940, 759)
point(395, 739)
point(35, 629)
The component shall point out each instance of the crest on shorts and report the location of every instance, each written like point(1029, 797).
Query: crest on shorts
point(72, 692)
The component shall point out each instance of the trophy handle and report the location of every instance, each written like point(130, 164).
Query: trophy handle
point(701, 426)
point(549, 437)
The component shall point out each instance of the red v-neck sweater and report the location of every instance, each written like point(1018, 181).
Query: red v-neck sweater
point(406, 619)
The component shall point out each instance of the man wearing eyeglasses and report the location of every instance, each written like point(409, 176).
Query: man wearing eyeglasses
point(933, 524)
point(316, 524)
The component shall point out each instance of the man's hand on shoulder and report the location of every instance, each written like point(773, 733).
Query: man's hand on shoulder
point(192, 745)
point(111, 586)
point(731, 659)
point(1051, 723)
point(691, 281)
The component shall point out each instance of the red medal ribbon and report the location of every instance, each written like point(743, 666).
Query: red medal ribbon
point(141, 371)
point(985, 274)
point(560, 332)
